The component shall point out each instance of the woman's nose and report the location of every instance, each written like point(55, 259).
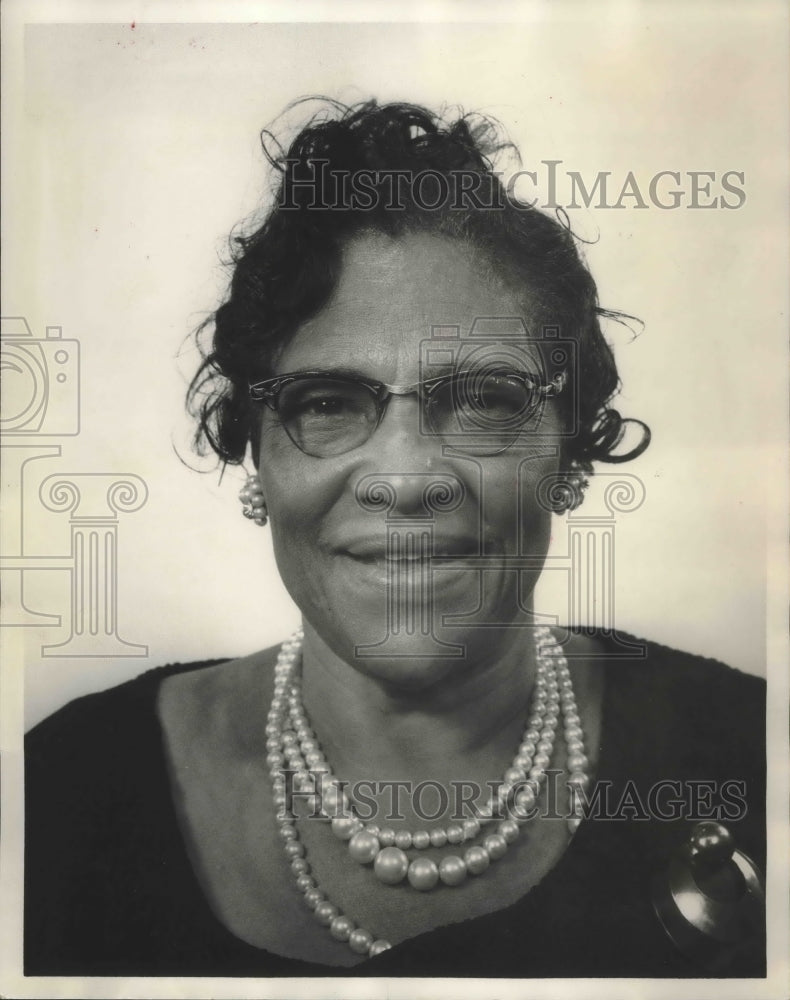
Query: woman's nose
point(411, 478)
point(402, 436)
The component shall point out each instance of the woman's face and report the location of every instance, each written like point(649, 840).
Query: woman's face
point(357, 571)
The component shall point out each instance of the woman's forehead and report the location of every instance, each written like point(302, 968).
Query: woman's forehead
point(394, 293)
point(427, 269)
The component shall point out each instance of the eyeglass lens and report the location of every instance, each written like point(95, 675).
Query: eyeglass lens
point(326, 417)
point(480, 413)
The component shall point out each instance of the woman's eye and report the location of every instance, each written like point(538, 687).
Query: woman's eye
point(332, 406)
point(500, 395)
point(325, 406)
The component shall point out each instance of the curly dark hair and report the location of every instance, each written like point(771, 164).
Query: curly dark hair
point(285, 271)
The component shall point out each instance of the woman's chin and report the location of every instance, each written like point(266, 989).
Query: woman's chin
point(405, 657)
point(400, 611)
point(410, 625)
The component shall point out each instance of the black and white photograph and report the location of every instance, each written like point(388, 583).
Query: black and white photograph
point(395, 500)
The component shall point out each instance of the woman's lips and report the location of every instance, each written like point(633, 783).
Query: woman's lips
point(412, 565)
point(410, 546)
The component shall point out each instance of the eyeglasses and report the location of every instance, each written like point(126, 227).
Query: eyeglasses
point(479, 412)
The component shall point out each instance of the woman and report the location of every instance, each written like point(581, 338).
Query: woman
point(425, 781)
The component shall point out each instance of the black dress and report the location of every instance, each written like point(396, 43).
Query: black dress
point(110, 891)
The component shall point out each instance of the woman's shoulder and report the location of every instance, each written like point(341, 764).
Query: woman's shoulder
point(684, 699)
point(677, 719)
point(125, 704)
point(682, 741)
point(105, 709)
point(645, 668)
point(670, 702)
point(222, 709)
point(101, 834)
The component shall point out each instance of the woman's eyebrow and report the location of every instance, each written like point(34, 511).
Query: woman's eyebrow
point(339, 371)
point(351, 371)
point(428, 370)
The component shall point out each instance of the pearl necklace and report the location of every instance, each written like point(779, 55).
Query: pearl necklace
point(291, 743)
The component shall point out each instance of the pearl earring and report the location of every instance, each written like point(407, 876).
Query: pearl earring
point(253, 504)
point(574, 484)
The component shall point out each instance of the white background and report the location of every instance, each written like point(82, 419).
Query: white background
point(136, 151)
